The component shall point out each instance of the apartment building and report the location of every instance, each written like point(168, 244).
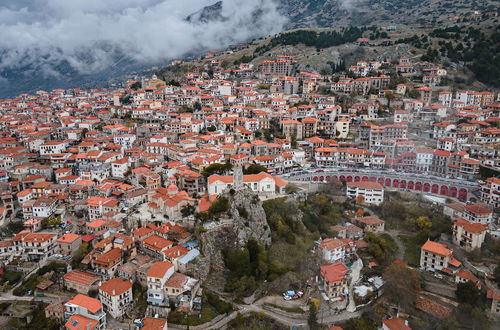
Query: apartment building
point(436, 256)
point(334, 280)
point(490, 192)
point(366, 192)
point(84, 312)
point(469, 235)
point(157, 277)
point(116, 296)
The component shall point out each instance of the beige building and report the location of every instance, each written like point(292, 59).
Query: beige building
point(80, 281)
point(468, 235)
point(68, 244)
point(116, 296)
point(333, 279)
point(436, 256)
point(494, 295)
point(371, 224)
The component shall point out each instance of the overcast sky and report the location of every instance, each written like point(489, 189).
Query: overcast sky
point(149, 30)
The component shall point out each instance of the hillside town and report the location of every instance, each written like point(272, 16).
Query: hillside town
point(107, 195)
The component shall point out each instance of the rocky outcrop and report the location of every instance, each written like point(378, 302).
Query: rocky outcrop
point(244, 220)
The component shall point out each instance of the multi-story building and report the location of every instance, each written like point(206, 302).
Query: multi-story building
point(116, 296)
point(436, 256)
point(371, 224)
point(68, 244)
point(494, 296)
point(490, 192)
point(469, 235)
point(84, 312)
point(157, 277)
point(334, 280)
point(478, 213)
point(366, 192)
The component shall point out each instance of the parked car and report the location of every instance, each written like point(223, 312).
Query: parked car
point(439, 276)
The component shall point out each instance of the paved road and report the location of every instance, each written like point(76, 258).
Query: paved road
point(355, 272)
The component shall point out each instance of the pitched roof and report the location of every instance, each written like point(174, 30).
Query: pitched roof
point(366, 185)
point(478, 209)
point(150, 323)
point(436, 248)
point(68, 238)
point(80, 322)
point(396, 324)
point(334, 272)
point(80, 277)
point(115, 286)
point(159, 269)
point(92, 304)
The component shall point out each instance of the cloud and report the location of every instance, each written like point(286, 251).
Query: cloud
point(90, 34)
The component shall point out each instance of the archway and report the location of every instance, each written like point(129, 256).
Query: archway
point(462, 194)
point(342, 178)
point(411, 185)
point(395, 183)
point(349, 178)
point(427, 187)
point(357, 178)
point(381, 181)
point(373, 179)
point(387, 182)
point(435, 188)
point(453, 192)
point(315, 178)
point(444, 190)
point(418, 186)
point(402, 184)
point(364, 178)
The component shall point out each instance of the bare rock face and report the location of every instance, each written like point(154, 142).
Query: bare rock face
point(245, 219)
point(249, 218)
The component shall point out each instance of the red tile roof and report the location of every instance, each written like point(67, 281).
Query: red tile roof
point(334, 272)
point(159, 269)
point(92, 304)
point(116, 286)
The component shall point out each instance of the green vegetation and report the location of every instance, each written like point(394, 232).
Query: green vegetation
point(28, 284)
point(39, 321)
point(254, 169)
point(312, 320)
point(401, 284)
point(296, 310)
point(221, 306)
point(10, 276)
point(53, 266)
point(84, 249)
point(219, 206)
point(139, 294)
point(412, 246)
point(320, 213)
point(428, 219)
point(310, 38)
point(212, 306)
point(383, 247)
point(216, 168)
point(280, 215)
point(478, 49)
point(247, 266)
point(136, 86)
point(255, 321)
point(470, 314)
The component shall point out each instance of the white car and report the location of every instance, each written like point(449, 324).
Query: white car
point(287, 298)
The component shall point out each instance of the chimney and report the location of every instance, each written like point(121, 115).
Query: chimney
point(114, 292)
